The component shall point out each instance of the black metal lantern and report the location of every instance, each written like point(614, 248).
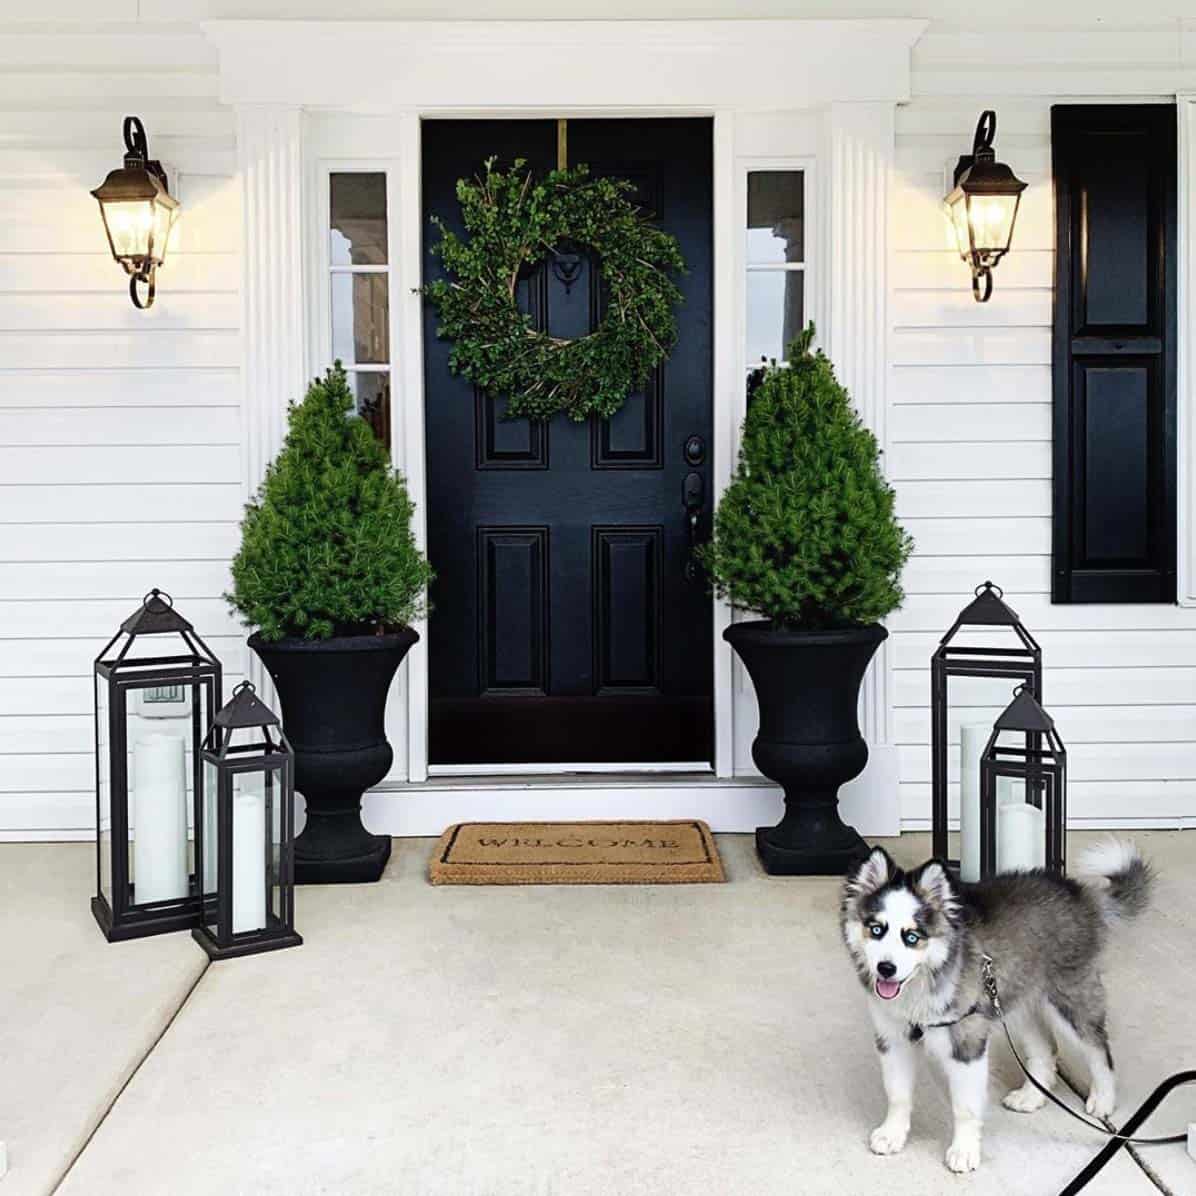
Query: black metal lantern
point(983, 206)
point(152, 711)
point(1015, 656)
point(1025, 827)
point(139, 213)
point(250, 822)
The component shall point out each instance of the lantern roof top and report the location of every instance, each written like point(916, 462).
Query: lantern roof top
point(1024, 713)
point(245, 709)
point(989, 608)
point(154, 616)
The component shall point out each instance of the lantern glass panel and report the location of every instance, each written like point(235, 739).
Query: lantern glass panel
point(208, 808)
point(103, 789)
point(991, 220)
point(163, 725)
point(957, 210)
point(253, 790)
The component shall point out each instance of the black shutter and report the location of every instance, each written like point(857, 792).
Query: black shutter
point(1114, 357)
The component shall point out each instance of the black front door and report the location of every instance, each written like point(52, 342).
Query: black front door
point(566, 626)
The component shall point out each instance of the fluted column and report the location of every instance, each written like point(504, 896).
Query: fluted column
point(854, 301)
point(273, 316)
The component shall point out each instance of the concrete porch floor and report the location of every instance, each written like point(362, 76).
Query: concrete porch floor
point(521, 1042)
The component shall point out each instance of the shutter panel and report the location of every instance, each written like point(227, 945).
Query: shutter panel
point(1114, 357)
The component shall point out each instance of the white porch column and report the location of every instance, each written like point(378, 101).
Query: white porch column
point(1186, 391)
point(273, 318)
point(855, 300)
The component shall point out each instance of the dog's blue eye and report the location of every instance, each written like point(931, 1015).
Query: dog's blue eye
point(877, 930)
point(910, 938)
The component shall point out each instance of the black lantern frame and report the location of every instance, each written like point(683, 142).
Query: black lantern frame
point(1040, 763)
point(1022, 664)
point(139, 191)
point(983, 188)
point(268, 755)
point(119, 674)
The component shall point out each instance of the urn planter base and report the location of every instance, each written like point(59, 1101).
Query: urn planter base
point(827, 856)
point(340, 851)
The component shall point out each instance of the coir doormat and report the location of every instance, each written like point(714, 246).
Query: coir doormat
point(576, 853)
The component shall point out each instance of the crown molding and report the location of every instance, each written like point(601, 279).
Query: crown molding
point(435, 67)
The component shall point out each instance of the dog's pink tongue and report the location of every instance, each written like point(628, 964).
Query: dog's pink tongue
point(888, 989)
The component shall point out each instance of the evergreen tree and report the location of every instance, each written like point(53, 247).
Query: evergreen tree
point(805, 534)
point(326, 545)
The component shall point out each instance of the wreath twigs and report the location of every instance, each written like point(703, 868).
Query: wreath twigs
point(512, 223)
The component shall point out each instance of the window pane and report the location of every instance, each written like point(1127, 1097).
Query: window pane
point(358, 208)
point(360, 319)
point(372, 392)
point(776, 217)
point(775, 312)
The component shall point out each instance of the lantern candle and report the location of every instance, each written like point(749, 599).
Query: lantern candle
point(1021, 836)
point(160, 818)
point(249, 856)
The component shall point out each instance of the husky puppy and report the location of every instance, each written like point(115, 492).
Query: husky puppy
point(917, 940)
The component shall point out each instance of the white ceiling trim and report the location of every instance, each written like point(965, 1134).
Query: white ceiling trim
point(454, 66)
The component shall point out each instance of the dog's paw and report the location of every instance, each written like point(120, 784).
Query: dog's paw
point(888, 1139)
point(1026, 1099)
point(963, 1155)
point(1101, 1101)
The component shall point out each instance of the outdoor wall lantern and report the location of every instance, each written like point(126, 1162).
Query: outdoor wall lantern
point(978, 645)
point(983, 206)
point(152, 710)
point(249, 820)
point(1023, 820)
point(138, 212)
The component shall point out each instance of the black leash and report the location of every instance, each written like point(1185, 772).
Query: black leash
point(989, 979)
point(1116, 1140)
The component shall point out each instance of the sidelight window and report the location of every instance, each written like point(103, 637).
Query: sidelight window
point(359, 290)
point(775, 256)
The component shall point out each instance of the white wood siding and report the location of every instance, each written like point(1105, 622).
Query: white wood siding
point(119, 429)
point(970, 434)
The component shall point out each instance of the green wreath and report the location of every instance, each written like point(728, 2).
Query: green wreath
point(514, 222)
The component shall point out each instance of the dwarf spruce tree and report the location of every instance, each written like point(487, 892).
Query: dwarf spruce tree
point(326, 545)
point(805, 534)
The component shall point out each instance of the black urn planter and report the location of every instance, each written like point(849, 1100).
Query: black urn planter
point(808, 685)
point(333, 698)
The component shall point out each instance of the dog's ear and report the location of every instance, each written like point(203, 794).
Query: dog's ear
point(932, 882)
point(874, 873)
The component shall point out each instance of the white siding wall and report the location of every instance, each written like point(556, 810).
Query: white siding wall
point(119, 429)
point(970, 427)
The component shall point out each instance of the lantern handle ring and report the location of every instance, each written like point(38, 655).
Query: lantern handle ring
point(245, 685)
point(986, 130)
point(157, 593)
point(982, 294)
point(136, 145)
point(989, 585)
point(1021, 688)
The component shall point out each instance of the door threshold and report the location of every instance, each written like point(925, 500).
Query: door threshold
point(481, 783)
point(683, 767)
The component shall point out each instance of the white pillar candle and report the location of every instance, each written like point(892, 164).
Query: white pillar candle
point(1021, 837)
point(972, 739)
point(249, 854)
point(160, 818)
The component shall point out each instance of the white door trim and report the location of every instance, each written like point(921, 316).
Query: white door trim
point(846, 74)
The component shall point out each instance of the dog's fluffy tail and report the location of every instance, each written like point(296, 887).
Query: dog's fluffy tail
point(1118, 875)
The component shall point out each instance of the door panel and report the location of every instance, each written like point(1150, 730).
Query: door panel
point(565, 627)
